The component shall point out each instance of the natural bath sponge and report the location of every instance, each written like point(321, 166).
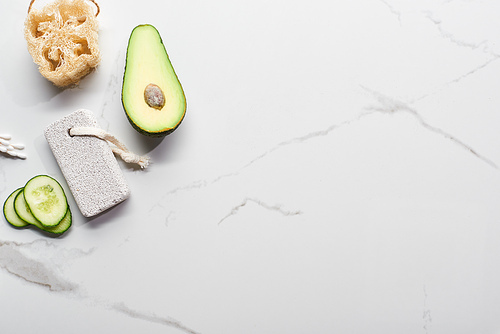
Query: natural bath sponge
point(62, 38)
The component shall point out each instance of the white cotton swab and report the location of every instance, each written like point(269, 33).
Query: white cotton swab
point(18, 146)
point(11, 149)
point(21, 155)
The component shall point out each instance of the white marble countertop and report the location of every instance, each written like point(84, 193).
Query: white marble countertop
point(337, 171)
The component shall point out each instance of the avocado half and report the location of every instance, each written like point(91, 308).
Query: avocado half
point(152, 95)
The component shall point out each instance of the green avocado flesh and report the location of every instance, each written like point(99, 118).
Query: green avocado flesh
point(159, 110)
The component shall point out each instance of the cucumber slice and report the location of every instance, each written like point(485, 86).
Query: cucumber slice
point(22, 209)
point(10, 213)
point(46, 200)
point(62, 227)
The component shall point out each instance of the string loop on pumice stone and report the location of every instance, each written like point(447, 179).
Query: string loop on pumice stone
point(119, 148)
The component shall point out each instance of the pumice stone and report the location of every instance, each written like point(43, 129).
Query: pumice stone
point(87, 163)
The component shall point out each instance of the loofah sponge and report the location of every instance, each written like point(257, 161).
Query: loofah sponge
point(63, 40)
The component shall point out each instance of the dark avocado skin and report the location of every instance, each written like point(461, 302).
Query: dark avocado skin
point(135, 126)
point(154, 134)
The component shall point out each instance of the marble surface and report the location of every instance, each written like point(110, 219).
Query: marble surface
point(337, 172)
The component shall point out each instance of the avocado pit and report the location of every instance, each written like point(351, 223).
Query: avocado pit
point(153, 95)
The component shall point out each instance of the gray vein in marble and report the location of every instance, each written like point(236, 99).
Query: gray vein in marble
point(112, 90)
point(480, 67)
point(296, 140)
point(38, 262)
point(276, 208)
point(392, 9)
point(196, 185)
point(167, 219)
point(426, 316)
point(458, 79)
point(166, 321)
point(449, 36)
point(301, 139)
point(391, 105)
